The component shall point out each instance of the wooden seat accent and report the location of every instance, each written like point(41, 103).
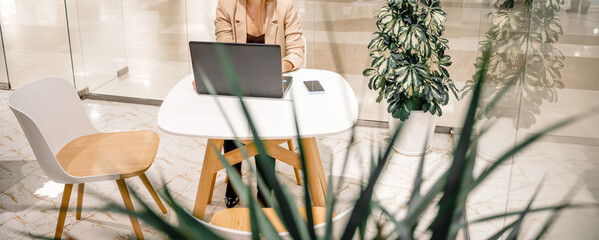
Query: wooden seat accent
point(239, 218)
point(127, 153)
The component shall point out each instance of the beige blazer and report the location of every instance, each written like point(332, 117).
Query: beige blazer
point(281, 26)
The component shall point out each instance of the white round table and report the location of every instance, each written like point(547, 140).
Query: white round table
point(184, 112)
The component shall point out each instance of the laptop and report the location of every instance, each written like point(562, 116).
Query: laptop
point(258, 68)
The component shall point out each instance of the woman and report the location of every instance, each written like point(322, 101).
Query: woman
point(260, 21)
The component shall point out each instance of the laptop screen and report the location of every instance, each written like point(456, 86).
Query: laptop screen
point(257, 67)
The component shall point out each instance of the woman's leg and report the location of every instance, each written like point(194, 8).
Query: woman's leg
point(262, 172)
point(231, 196)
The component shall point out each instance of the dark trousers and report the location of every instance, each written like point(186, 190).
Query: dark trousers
point(229, 145)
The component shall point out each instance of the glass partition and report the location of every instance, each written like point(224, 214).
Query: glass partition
point(560, 82)
point(101, 47)
point(35, 40)
point(4, 79)
point(147, 42)
point(338, 33)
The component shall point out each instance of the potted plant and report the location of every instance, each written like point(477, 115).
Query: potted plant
point(524, 70)
point(409, 68)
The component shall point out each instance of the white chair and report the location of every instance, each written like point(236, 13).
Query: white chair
point(71, 151)
point(339, 223)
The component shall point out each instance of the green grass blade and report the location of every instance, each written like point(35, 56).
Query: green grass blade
point(331, 201)
point(527, 142)
point(288, 216)
point(516, 229)
point(533, 210)
point(421, 204)
point(401, 230)
point(418, 178)
point(449, 203)
point(554, 215)
point(362, 206)
point(188, 224)
point(307, 197)
point(263, 224)
point(500, 233)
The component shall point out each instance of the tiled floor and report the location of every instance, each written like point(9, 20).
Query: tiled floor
point(29, 201)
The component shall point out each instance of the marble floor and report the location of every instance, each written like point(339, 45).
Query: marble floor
point(29, 200)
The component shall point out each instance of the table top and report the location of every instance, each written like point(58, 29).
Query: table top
point(184, 112)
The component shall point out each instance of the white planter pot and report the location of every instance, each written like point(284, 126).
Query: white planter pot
point(414, 133)
point(499, 138)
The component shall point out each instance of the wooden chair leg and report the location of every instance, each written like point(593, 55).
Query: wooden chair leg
point(150, 188)
point(298, 179)
point(80, 187)
point(129, 205)
point(64, 206)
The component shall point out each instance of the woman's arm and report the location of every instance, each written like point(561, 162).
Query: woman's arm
point(223, 28)
point(294, 45)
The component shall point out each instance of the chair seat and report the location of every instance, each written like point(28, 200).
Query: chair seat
point(239, 218)
point(126, 153)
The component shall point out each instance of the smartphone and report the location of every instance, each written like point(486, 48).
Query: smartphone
point(313, 86)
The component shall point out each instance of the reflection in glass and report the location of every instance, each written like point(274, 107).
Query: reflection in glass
point(524, 59)
point(525, 63)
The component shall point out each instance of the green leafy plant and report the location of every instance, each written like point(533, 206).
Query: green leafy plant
point(409, 61)
point(524, 59)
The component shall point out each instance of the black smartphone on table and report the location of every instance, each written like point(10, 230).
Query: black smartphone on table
point(313, 86)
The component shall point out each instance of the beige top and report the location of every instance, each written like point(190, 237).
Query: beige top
point(282, 27)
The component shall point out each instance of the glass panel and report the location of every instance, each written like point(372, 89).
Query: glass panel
point(4, 80)
point(200, 20)
point(147, 41)
point(200, 23)
point(496, 128)
point(35, 40)
point(560, 82)
point(102, 45)
point(339, 33)
point(464, 28)
point(157, 48)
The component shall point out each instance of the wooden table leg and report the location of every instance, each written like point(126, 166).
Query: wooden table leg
point(316, 183)
point(207, 177)
point(298, 179)
point(212, 188)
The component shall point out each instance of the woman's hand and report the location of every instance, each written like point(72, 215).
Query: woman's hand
point(194, 85)
point(287, 66)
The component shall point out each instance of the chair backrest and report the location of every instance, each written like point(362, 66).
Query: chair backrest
point(339, 223)
point(51, 115)
point(305, 53)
